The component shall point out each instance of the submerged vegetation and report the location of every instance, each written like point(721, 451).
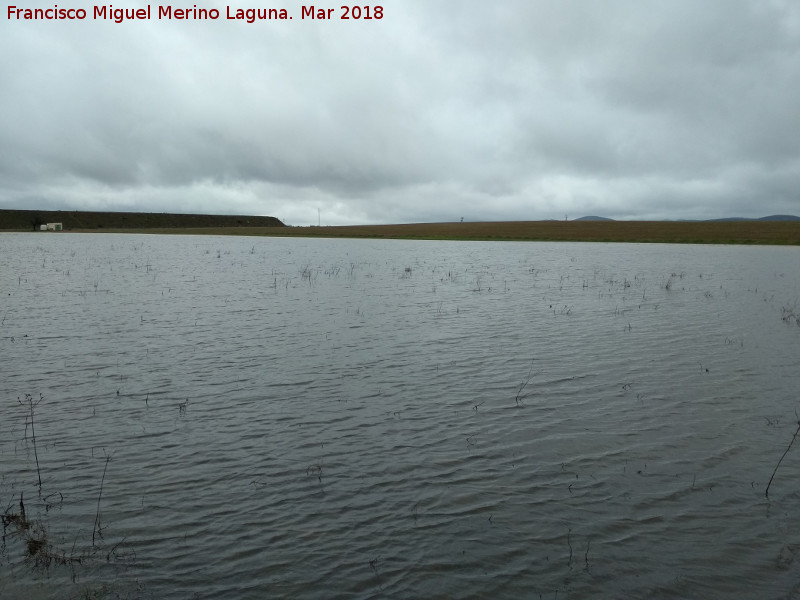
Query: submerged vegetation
point(39, 552)
point(28, 540)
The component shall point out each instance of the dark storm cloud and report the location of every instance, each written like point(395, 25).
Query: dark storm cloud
point(440, 110)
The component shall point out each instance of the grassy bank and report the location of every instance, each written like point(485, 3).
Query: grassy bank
point(744, 232)
point(749, 232)
point(29, 220)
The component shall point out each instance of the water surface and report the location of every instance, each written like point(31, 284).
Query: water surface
point(375, 418)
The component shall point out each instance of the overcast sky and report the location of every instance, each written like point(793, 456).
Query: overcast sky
point(442, 109)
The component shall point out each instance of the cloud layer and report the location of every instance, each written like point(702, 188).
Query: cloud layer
point(523, 109)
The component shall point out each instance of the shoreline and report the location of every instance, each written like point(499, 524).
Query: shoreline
point(683, 232)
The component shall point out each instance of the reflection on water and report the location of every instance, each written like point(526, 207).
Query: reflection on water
point(352, 418)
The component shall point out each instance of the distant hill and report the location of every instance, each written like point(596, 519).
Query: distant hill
point(21, 220)
point(723, 220)
point(780, 218)
point(727, 220)
point(769, 218)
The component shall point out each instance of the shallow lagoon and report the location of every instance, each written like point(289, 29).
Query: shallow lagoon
point(375, 418)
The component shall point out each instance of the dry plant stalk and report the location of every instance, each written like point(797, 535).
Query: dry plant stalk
point(785, 452)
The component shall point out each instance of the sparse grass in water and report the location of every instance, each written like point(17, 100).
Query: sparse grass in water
point(97, 529)
point(520, 397)
point(31, 405)
point(36, 548)
point(789, 447)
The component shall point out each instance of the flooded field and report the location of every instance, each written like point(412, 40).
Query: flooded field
point(237, 418)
